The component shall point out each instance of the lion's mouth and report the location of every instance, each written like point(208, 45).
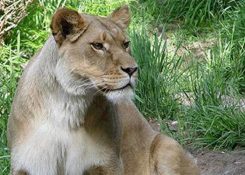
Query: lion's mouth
point(129, 85)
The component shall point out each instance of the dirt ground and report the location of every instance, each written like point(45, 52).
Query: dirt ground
point(214, 162)
point(221, 163)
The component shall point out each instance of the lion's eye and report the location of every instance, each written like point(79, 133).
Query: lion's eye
point(98, 46)
point(126, 44)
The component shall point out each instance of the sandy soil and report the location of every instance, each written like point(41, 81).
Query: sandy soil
point(221, 163)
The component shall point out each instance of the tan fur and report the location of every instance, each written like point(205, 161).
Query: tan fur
point(61, 121)
point(146, 152)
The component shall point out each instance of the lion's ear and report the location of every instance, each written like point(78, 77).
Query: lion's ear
point(121, 16)
point(67, 24)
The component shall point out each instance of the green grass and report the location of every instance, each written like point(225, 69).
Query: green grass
point(158, 74)
point(162, 76)
point(217, 127)
point(191, 13)
point(216, 122)
point(164, 72)
point(10, 69)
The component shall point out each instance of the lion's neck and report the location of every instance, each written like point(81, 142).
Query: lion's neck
point(68, 110)
point(48, 96)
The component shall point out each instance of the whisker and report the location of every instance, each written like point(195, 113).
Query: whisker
point(92, 85)
point(100, 90)
point(84, 81)
point(85, 85)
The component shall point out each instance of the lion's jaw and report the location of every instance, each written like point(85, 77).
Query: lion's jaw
point(126, 92)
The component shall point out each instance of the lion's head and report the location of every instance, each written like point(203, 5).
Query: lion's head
point(94, 52)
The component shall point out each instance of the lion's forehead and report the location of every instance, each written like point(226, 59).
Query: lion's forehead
point(110, 30)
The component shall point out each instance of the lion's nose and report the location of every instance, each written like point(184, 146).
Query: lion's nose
point(129, 70)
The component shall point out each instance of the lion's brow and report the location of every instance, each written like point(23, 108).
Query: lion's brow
point(103, 24)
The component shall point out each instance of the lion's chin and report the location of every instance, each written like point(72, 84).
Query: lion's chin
point(118, 95)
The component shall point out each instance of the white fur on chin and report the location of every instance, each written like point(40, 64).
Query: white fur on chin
point(118, 95)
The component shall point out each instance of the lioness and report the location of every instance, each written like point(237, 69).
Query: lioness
point(146, 152)
point(61, 121)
